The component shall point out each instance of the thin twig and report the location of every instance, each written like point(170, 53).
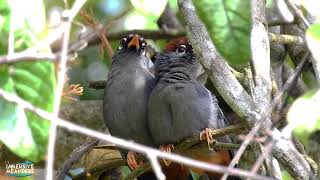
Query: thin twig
point(68, 17)
point(297, 12)
point(27, 56)
point(123, 143)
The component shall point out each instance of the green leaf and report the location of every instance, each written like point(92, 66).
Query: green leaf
point(228, 23)
point(286, 175)
point(23, 132)
point(313, 40)
point(150, 8)
point(304, 115)
point(145, 14)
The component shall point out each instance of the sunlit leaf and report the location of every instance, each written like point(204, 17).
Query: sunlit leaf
point(304, 115)
point(286, 175)
point(313, 41)
point(228, 22)
point(150, 8)
point(32, 81)
point(312, 6)
point(145, 14)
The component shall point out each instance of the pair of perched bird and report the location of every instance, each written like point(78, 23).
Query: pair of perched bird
point(162, 109)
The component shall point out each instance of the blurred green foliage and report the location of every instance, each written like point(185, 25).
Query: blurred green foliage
point(228, 23)
point(304, 115)
point(21, 131)
point(307, 120)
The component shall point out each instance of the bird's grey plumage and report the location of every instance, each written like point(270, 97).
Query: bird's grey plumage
point(129, 85)
point(179, 105)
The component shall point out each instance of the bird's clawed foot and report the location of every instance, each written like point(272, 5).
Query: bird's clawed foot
point(166, 148)
point(132, 162)
point(206, 134)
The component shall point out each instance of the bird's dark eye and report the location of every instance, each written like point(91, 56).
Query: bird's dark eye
point(122, 43)
point(143, 44)
point(181, 49)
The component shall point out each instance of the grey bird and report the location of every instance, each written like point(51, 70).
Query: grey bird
point(181, 107)
point(128, 87)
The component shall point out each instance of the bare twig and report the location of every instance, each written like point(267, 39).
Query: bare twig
point(297, 12)
point(123, 143)
point(27, 56)
point(88, 18)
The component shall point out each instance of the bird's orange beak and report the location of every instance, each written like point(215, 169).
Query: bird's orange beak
point(134, 42)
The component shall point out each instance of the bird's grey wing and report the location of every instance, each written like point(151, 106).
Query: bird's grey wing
point(159, 116)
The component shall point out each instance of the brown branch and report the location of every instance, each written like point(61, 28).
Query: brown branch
point(74, 157)
point(182, 147)
point(188, 143)
point(100, 168)
point(101, 84)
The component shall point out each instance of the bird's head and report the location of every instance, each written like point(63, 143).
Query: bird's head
point(134, 43)
point(179, 46)
point(176, 56)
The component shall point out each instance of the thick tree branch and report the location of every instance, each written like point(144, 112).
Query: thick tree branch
point(226, 83)
point(260, 62)
point(260, 51)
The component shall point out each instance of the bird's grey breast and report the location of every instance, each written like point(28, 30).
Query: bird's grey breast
point(125, 103)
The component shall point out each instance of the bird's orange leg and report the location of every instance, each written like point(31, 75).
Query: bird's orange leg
point(166, 148)
point(131, 160)
point(206, 133)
